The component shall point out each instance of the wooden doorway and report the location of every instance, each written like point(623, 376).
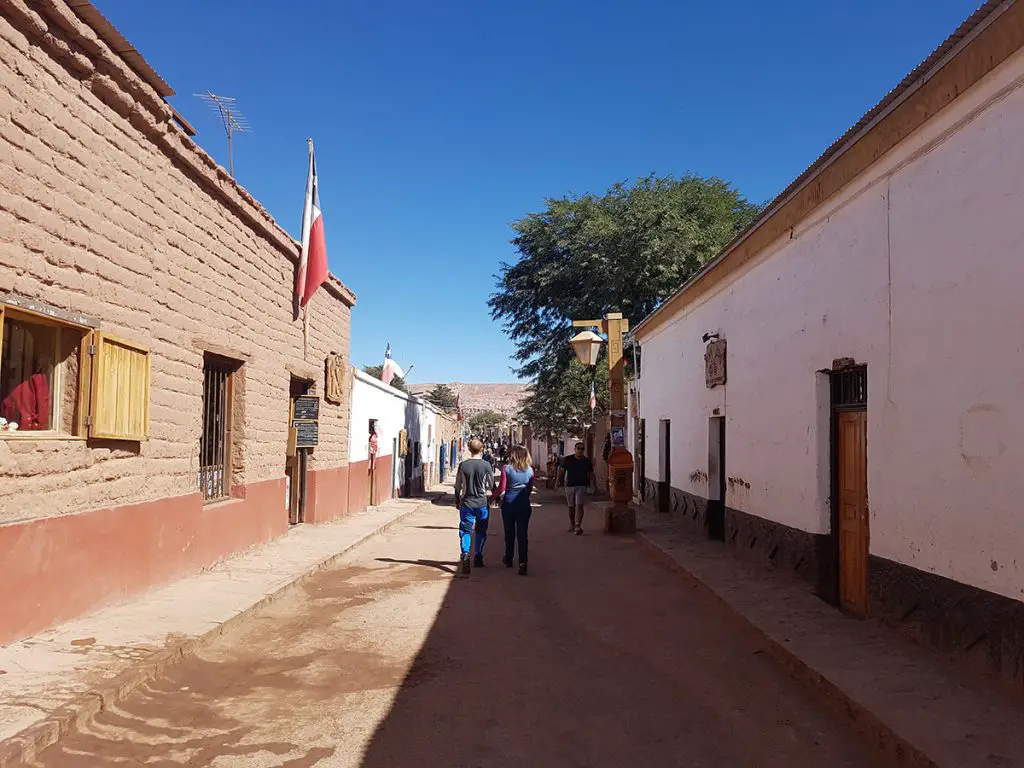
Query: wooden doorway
point(665, 465)
point(296, 460)
point(850, 484)
point(640, 449)
point(715, 521)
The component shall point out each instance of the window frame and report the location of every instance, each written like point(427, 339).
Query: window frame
point(230, 368)
point(28, 316)
point(90, 346)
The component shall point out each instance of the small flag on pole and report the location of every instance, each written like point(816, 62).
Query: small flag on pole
point(391, 368)
point(312, 270)
point(593, 397)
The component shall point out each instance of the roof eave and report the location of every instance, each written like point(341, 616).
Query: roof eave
point(949, 49)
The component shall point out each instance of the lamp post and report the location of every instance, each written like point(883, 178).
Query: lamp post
point(621, 516)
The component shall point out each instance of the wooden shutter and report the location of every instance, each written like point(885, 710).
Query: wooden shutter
point(120, 390)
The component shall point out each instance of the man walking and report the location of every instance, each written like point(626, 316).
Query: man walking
point(474, 483)
point(576, 473)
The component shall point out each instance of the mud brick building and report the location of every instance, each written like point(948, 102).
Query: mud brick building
point(152, 357)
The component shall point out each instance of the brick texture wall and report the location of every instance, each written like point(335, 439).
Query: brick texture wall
point(109, 210)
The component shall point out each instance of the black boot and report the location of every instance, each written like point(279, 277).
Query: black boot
point(478, 561)
point(522, 569)
point(506, 561)
point(465, 565)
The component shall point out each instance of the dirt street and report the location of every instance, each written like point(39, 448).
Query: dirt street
point(599, 658)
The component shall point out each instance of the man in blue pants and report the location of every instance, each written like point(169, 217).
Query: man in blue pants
point(474, 483)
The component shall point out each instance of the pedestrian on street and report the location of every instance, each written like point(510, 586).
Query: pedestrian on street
point(474, 484)
point(576, 474)
point(515, 489)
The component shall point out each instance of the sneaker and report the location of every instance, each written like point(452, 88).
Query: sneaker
point(506, 561)
point(465, 565)
point(572, 528)
point(579, 530)
point(522, 569)
point(478, 561)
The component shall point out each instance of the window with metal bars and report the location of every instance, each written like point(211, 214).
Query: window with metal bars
point(850, 388)
point(215, 444)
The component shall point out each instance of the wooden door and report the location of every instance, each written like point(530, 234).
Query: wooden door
point(641, 452)
point(853, 511)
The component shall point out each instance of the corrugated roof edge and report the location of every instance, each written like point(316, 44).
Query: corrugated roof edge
point(108, 33)
point(987, 12)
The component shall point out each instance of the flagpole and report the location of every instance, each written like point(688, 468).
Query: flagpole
point(305, 332)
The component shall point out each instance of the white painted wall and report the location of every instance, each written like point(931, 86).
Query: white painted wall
point(914, 270)
point(394, 411)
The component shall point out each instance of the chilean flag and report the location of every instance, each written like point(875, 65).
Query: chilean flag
point(313, 260)
point(593, 398)
point(391, 368)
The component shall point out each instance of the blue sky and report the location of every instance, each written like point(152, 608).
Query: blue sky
point(438, 123)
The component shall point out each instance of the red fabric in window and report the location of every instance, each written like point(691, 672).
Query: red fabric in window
point(29, 404)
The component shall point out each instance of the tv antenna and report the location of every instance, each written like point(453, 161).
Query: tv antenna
point(231, 117)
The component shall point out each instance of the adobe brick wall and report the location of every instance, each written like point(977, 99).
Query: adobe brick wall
point(109, 210)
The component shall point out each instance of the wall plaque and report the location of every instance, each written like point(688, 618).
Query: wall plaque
point(714, 363)
point(334, 384)
point(307, 408)
point(306, 421)
point(307, 434)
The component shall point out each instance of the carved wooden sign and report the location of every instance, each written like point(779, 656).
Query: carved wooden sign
point(334, 386)
point(714, 363)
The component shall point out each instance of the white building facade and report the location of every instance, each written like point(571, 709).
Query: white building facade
point(867, 433)
point(409, 434)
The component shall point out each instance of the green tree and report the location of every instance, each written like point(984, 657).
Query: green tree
point(443, 397)
point(485, 420)
point(627, 251)
point(376, 370)
point(562, 402)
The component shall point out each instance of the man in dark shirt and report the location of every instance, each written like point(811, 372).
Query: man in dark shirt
point(576, 473)
point(474, 483)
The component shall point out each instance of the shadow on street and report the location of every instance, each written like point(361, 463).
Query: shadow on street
point(599, 658)
point(447, 567)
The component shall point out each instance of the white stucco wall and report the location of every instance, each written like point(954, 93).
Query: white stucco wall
point(394, 411)
point(914, 270)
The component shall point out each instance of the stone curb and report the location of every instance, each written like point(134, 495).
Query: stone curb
point(21, 749)
point(872, 728)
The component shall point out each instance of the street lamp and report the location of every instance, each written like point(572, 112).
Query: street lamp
point(587, 345)
point(621, 516)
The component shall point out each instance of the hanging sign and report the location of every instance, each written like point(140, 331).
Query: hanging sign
point(306, 421)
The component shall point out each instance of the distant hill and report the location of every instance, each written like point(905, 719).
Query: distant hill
point(502, 398)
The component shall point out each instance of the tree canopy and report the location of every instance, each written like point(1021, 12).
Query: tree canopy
point(376, 371)
point(485, 419)
point(443, 397)
point(584, 256)
point(563, 401)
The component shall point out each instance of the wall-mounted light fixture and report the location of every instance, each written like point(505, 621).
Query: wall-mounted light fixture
point(708, 337)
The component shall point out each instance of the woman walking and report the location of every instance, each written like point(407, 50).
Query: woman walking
point(514, 490)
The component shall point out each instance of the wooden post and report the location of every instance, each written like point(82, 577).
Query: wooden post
point(621, 517)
